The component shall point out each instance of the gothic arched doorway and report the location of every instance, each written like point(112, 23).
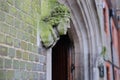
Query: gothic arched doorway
point(62, 59)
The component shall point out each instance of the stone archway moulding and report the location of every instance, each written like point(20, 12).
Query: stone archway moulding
point(89, 32)
point(86, 36)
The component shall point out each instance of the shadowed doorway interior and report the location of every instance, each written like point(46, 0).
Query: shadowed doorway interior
point(61, 59)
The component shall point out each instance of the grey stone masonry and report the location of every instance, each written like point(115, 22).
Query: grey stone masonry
point(20, 57)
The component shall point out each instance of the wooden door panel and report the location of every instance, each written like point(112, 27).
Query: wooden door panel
point(61, 60)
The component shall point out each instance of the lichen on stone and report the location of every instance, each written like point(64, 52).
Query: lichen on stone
point(53, 17)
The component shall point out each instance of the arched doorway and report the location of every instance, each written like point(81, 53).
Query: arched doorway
point(62, 63)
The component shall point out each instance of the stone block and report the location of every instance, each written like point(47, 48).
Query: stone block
point(25, 56)
point(31, 57)
point(17, 75)
point(4, 27)
point(10, 74)
point(2, 38)
point(24, 75)
point(44, 68)
point(34, 48)
point(9, 40)
point(2, 74)
point(18, 4)
point(23, 45)
point(36, 58)
point(19, 34)
point(30, 29)
point(30, 47)
point(42, 76)
point(40, 67)
point(35, 75)
point(11, 52)
point(22, 65)
point(31, 77)
point(16, 64)
point(29, 66)
point(13, 11)
point(1, 62)
point(18, 54)
point(13, 32)
point(16, 43)
point(4, 6)
point(2, 16)
point(34, 67)
point(3, 51)
point(17, 23)
point(33, 39)
point(9, 19)
point(42, 59)
point(8, 63)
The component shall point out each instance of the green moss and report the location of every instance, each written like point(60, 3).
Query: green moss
point(52, 15)
point(45, 34)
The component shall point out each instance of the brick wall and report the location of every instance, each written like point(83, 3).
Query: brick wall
point(20, 57)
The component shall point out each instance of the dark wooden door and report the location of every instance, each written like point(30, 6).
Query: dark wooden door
point(61, 60)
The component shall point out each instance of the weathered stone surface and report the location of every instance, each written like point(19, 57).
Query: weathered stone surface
point(25, 56)
point(10, 74)
point(2, 16)
point(17, 43)
point(22, 65)
point(1, 62)
point(19, 58)
point(24, 45)
point(18, 54)
point(31, 57)
point(16, 64)
point(11, 52)
point(2, 75)
point(9, 40)
point(2, 38)
point(42, 59)
point(3, 51)
point(8, 63)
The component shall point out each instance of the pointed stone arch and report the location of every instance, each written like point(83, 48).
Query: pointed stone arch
point(86, 34)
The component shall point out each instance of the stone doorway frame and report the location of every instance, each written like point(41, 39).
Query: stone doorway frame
point(86, 35)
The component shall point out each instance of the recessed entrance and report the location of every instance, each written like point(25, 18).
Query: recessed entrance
point(61, 59)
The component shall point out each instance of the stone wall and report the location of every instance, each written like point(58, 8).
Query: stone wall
point(20, 57)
